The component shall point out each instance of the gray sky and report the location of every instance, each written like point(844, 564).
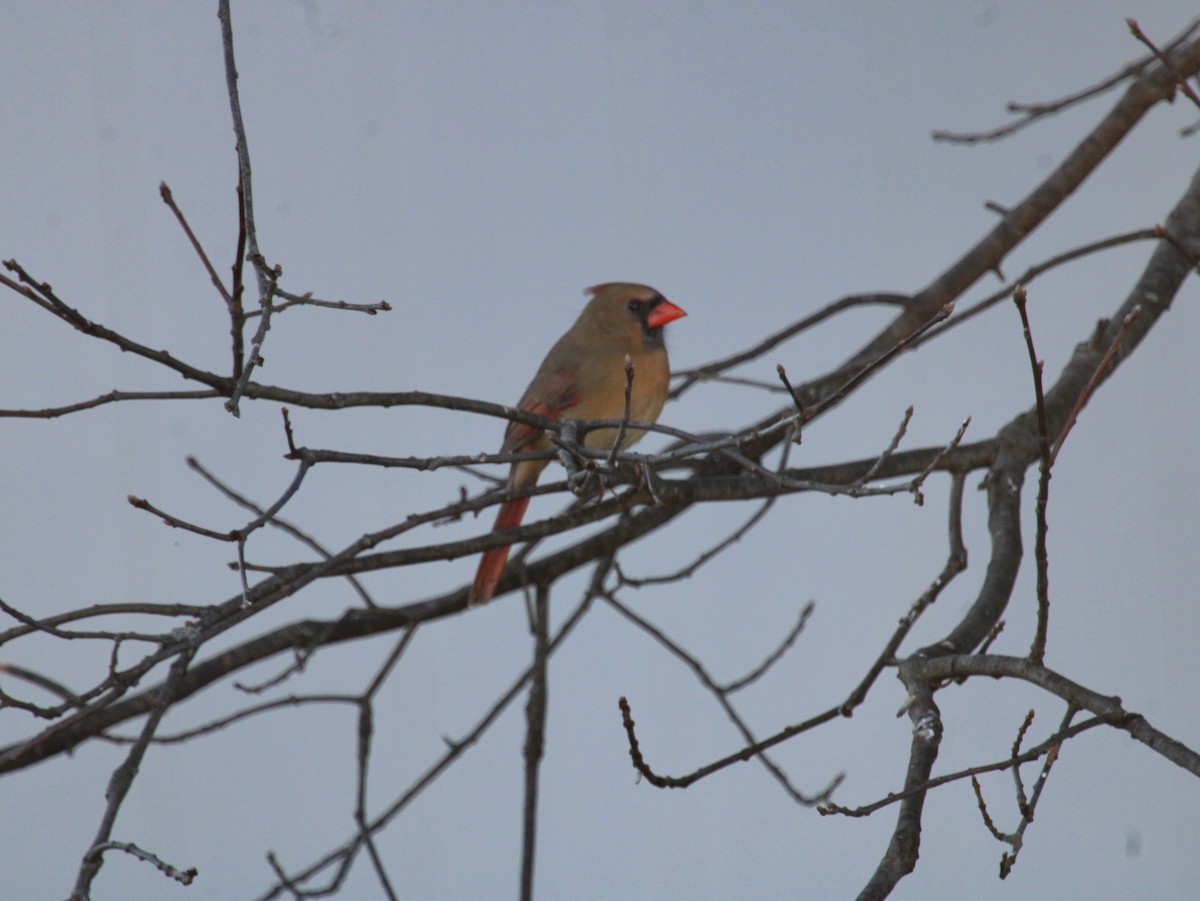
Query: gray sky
point(477, 165)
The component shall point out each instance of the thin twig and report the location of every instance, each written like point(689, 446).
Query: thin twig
point(169, 200)
point(914, 487)
point(1031, 112)
point(753, 748)
point(891, 448)
point(1037, 652)
point(535, 730)
point(775, 656)
point(1069, 424)
point(184, 877)
point(1027, 809)
point(283, 525)
point(690, 377)
point(237, 310)
point(782, 373)
point(620, 439)
point(1165, 60)
point(109, 398)
point(307, 300)
point(123, 776)
point(243, 146)
point(366, 730)
point(224, 722)
point(956, 562)
point(943, 312)
point(1184, 251)
point(254, 357)
point(1046, 747)
point(176, 523)
point(344, 854)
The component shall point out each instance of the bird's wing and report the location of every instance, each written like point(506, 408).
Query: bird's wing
point(548, 395)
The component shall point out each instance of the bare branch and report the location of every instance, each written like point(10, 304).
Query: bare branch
point(1032, 112)
point(169, 200)
point(307, 300)
point(535, 725)
point(1165, 60)
point(647, 495)
point(109, 398)
point(243, 147)
point(122, 779)
point(1108, 708)
point(691, 377)
point(1008, 763)
point(268, 277)
point(183, 877)
point(1099, 373)
point(620, 439)
point(341, 856)
point(1037, 652)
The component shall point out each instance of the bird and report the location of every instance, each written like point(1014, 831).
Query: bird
point(583, 377)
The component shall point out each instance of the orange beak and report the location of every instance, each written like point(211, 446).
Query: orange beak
point(664, 311)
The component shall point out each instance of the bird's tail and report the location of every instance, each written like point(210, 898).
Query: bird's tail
point(492, 565)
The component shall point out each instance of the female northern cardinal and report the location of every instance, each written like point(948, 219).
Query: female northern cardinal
point(583, 377)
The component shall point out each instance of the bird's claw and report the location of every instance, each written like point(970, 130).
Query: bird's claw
point(646, 479)
point(578, 481)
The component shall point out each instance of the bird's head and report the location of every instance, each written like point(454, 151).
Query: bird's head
point(634, 312)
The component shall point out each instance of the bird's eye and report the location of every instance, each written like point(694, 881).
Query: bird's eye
point(635, 306)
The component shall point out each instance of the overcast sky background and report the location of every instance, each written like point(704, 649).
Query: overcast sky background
point(477, 165)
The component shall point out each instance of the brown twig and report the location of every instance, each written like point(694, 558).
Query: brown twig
point(169, 200)
point(1046, 747)
point(689, 569)
point(254, 357)
point(1069, 424)
point(1164, 233)
point(284, 526)
point(690, 377)
point(342, 856)
point(110, 397)
point(243, 146)
point(307, 300)
point(890, 449)
point(1027, 808)
point(1031, 112)
point(956, 562)
point(775, 656)
point(237, 310)
point(175, 522)
point(535, 727)
point(721, 694)
point(366, 729)
point(620, 439)
point(1165, 60)
point(123, 776)
point(183, 877)
point(938, 459)
point(792, 393)
point(1037, 652)
point(43, 295)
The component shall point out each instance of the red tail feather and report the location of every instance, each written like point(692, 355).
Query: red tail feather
point(492, 565)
